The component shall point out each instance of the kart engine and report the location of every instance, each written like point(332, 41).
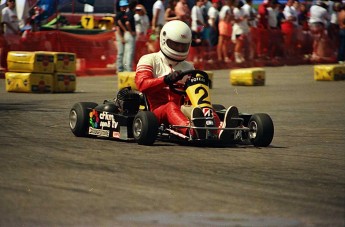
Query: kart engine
point(127, 101)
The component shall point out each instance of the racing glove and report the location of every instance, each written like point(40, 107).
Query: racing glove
point(173, 77)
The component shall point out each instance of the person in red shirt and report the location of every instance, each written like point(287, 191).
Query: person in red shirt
point(263, 14)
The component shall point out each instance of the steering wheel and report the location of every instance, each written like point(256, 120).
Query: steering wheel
point(192, 73)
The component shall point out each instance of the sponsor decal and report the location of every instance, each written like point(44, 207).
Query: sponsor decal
point(116, 135)
point(104, 119)
point(94, 119)
point(98, 132)
point(107, 120)
point(209, 123)
point(207, 112)
point(198, 79)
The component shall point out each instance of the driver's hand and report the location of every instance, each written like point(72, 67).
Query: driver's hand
point(173, 77)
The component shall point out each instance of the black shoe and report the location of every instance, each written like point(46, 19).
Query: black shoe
point(229, 122)
point(198, 120)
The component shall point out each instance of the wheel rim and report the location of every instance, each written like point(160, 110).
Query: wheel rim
point(253, 128)
point(137, 127)
point(73, 119)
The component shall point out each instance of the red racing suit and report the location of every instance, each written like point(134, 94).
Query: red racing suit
point(149, 79)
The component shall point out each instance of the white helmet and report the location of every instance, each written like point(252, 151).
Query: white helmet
point(175, 40)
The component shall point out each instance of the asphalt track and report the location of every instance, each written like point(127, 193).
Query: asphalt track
point(51, 178)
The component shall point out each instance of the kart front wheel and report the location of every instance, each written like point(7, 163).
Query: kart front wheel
point(261, 130)
point(79, 118)
point(145, 128)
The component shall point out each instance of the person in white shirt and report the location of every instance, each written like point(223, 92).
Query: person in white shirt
point(272, 15)
point(333, 28)
point(250, 11)
point(158, 18)
point(142, 21)
point(197, 17)
point(9, 19)
point(319, 18)
point(213, 18)
point(240, 30)
point(198, 25)
point(290, 12)
point(10, 25)
point(290, 29)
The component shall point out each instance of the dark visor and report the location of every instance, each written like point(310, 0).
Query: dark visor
point(179, 47)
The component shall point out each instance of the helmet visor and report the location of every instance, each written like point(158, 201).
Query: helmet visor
point(176, 46)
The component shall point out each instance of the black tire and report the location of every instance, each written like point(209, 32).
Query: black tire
point(79, 118)
point(261, 130)
point(145, 128)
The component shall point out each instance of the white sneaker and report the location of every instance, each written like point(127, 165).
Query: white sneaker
point(198, 120)
point(229, 122)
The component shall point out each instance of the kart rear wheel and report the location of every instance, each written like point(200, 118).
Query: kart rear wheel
point(79, 118)
point(261, 130)
point(145, 128)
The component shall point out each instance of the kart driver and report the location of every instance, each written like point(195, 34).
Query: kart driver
point(156, 71)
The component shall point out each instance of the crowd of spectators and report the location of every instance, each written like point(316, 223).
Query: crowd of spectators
point(225, 31)
point(237, 31)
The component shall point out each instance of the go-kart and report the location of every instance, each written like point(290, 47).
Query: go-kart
point(128, 117)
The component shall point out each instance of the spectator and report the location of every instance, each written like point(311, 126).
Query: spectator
point(9, 19)
point(333, 28)
point(207, 5)
point(158, 18)
point(251, 14)
point(275, 38)
point(125, 36)
point(213, 19)
point(303, 17)
point(289, 28)
point(142, 26)
point(240, 30)
point(261, 35)
point(10, 27)
point(341, 23)
point(263, 14)
point(170, 11)
point(142, 21)
point(183, 12)
point(197, 27)
point(250, 11)
point(319, 18)
point(273, 11)
point(225, 30)
point(280, 15)
point(291, 11)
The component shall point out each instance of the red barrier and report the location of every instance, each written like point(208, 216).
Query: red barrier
point(95, 51)
point(279, 47)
